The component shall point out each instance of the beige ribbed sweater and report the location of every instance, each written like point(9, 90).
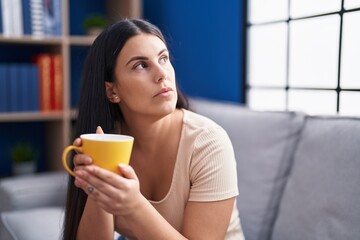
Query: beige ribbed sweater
point(205, 170)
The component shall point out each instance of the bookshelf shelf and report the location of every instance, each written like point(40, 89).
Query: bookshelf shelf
point(81, 40)
point(54, 128)
point(31, 40)
point(31, 116)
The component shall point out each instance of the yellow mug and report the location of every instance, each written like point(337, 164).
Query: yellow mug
point(106, 150)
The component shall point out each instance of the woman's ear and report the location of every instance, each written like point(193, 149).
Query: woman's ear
point(110, 93)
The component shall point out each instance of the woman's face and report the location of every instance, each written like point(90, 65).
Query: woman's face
point(144, 77)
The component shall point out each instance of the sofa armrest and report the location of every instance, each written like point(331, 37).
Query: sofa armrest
point(38, 190)
point(32, 224)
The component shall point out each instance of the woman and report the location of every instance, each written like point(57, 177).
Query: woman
point(181, 182)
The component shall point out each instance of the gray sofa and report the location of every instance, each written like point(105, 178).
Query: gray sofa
point(298, 177)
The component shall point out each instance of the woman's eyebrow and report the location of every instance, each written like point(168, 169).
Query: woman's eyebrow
point(136, 58)
point(164, 50)
point(143, 57)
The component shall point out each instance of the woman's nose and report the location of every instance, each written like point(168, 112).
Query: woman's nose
point(161, 74)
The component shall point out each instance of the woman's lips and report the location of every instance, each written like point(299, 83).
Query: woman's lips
point(164, 92)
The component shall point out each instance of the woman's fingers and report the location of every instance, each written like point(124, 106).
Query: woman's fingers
point(99, 130)
point(105, 176)
point(81, 159)
point(127, 171)
point(107, 182)
point(77, 142)
point(94, 193)
point(114, 193)
point(96, 188)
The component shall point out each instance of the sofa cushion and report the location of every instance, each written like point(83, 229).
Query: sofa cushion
point(264, 144)
point(322, 197)
point(34, 224)
point(45, 189)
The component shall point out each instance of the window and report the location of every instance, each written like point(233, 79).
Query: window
point(303, 55)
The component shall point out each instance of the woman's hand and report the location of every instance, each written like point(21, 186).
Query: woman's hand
point(81, 160)
point(118, 194)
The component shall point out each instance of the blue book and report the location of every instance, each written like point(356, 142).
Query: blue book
point(6, 17)
point(4, 97)
point(37, 17)
point(26, 17)
point(49, 17)
point(57, 17)
point(17, 17)
point(1, 21)
point(15, 93)
point(34, 86)
point(24, 81)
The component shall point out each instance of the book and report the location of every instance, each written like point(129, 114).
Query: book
point(24, 87)
point(43, 62)
point(37, 17)
point(57, 80)
point(4, 97)
point(1, 21)
point(34, 88)
point(14, 86)
point(45, 17)
point(17, 17)
point(49, 17)
point(26, 17)
point(6, 7)
point(57, 17)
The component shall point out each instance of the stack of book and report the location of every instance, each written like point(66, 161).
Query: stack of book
point(34, 86)
point(30, 17)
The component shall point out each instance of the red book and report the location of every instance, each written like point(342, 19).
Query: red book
point(43, 62)
point(57, 82)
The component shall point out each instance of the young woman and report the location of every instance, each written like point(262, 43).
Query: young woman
point(181, 182)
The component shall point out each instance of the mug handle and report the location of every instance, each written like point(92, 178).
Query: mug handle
point(64, 157)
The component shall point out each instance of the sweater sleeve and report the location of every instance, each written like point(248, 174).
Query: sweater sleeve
point(213, 175)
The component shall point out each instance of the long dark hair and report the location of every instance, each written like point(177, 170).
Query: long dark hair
point(94, 107)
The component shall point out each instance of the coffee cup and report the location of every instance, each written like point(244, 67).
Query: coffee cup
point(106, 150)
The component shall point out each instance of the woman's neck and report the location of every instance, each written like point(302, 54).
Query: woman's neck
point(149, 134)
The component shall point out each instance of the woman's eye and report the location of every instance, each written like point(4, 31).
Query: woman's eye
point(164, 59)
point(140, 65)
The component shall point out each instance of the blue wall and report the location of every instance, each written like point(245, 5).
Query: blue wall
point(205, 40)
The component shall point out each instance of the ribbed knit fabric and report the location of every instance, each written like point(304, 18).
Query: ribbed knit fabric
point(205, 170)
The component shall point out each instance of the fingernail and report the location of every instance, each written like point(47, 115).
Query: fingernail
point(122, 166)
point(79, 173)
point(90, 168)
